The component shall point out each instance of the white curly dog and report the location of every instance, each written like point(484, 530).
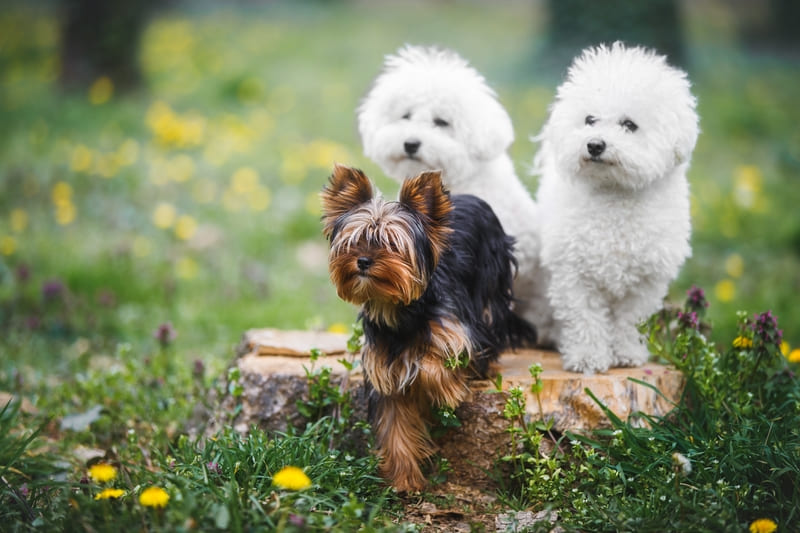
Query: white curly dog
point(614, 200)
point(429, 110)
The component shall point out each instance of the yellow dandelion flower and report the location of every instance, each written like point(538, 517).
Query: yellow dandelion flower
point(734, 265)
point(725, 290)
point(742, 342)
point(785, 348)
point(81, 159)
point(19, 220)
point(291, 478)
point(61, 193)
point(192, 130)
point(65, 214)
point(293, 167)
point(185, 227)
point(109, 494)
point(244, 180)
point(101, 90)
point(164, 215)
point(794, 356)
point(154, 497)
point(747, 185)
point(106, 165)
point(102, 472)
point(8, 245)
point(322, 151)
point(338, 327)
point(763, 525)
point(186, 268)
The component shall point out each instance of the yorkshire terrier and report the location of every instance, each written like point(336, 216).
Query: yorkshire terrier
point(433, 276)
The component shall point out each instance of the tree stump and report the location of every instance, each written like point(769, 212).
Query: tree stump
point(273, 366)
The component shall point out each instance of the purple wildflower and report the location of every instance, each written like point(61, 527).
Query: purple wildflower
point(165, 334)
point(297, 520)
point(766, 330)
point(214, 467)
point(52, 290)
point(688, 320)
point(23, 273)
point(198, 369)
point(696, 299)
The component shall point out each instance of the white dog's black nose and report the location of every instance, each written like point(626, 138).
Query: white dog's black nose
point(411, 146)
point(596, 147)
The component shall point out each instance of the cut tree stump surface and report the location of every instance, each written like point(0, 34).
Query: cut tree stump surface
point(273, 368)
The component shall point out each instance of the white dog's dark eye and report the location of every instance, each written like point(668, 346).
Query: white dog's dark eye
point(442, 123)
point(407, 116)
point(629, 125)
point(590, 120)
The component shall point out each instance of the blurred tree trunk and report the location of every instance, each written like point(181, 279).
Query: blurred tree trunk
point(101, 38)
point(576, 24)
point(772, 24)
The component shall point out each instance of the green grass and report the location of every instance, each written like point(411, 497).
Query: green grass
point(194, 201)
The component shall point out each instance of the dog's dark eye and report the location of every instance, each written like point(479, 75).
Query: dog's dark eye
point(590, 120)
point(440, 122)
point(407, 116)
point(629, 125)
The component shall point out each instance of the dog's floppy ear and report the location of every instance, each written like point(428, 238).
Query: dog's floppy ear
point(347, 188)
point(425, 194)
point(490, 130)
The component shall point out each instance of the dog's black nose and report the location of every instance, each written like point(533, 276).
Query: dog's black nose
point(364, 263)
point(596, 147)
point(411, 146)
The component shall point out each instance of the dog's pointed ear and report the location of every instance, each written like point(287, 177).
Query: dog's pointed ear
point(347, 188)
point(425, 194)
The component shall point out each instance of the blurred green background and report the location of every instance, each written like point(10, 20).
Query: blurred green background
point(176, 178)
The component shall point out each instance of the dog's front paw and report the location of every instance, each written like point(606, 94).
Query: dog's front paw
point(587, 360)
point(630, 352)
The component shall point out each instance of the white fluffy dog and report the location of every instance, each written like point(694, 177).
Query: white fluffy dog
point(614, 199)
point(429, 110)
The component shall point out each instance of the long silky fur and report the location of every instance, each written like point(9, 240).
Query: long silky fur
point(454, 250)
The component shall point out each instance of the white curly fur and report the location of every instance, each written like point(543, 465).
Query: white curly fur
point(615, 228)
point(432, 96)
